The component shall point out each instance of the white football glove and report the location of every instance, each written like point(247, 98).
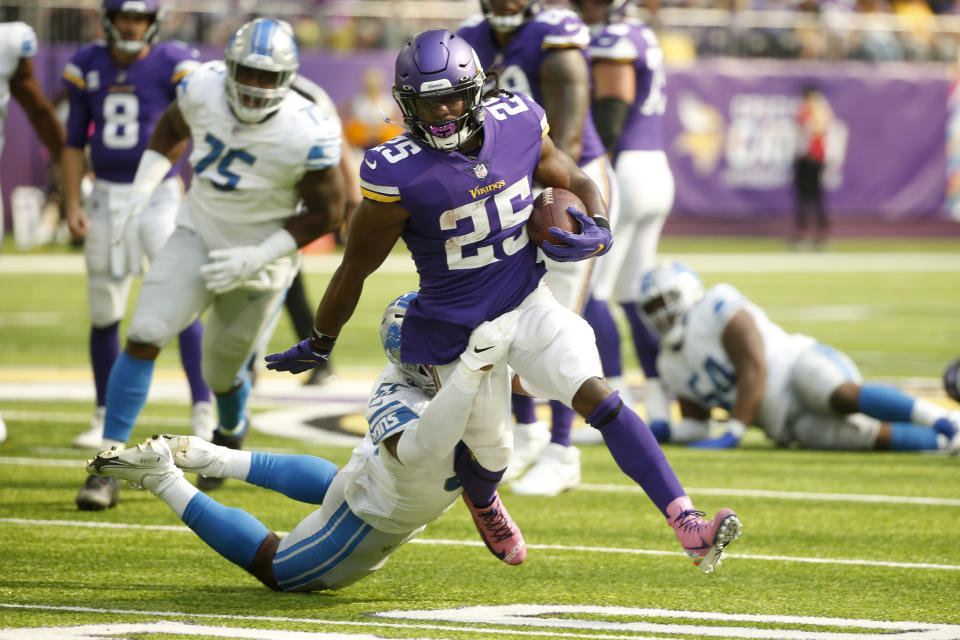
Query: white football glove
point(229, 268)
point(490, 342)
point(123, 218)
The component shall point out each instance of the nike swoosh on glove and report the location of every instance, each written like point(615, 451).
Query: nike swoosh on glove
point(490, 341)
point(593, 239)
point(303, 356)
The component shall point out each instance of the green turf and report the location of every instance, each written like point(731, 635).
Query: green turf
point(894, 324)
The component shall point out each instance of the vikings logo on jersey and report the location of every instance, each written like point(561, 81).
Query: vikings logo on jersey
point(466, 225)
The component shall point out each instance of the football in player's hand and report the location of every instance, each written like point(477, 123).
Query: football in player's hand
point(550, 210)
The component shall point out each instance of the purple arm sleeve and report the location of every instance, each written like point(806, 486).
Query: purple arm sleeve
point(78, 122)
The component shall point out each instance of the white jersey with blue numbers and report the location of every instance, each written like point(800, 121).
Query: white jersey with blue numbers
point(17, 41)
point(245, 175)
point(385, 493)
point(701, 371)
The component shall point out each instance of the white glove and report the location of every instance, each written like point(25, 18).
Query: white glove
point(490, 342)
point(124, 217)
point(228, 268)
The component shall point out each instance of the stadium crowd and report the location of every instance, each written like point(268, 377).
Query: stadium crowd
point(871, 30)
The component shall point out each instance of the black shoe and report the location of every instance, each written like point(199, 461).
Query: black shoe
point(98, 493)
point(209, 483)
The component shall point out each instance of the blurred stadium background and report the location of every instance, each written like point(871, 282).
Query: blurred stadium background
point(736, 69)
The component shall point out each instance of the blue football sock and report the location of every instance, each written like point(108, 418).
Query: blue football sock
point(127, 392)
point(231, 532)
point(232, 406)
point(885, 403)
point(303, 478)
point(911, 437)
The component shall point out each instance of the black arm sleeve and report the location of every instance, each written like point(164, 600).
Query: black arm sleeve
point(609, 114)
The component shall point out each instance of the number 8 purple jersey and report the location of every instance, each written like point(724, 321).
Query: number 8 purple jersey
point(466, 231)
point(123, 103)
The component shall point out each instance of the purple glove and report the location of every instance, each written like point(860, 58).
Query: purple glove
point(303, 356)
point(594, 239)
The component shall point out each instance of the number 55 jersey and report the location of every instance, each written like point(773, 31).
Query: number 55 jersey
point(467, 227)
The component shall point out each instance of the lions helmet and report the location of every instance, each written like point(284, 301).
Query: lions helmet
point(149, 8)
point(439, 64)
point(667, 293)
point(266, 45)
point(422, 376)
point(512, 22)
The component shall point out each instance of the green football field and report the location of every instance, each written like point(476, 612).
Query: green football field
point(835, 545)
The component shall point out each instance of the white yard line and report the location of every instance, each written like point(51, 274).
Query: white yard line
point(400, 263)
point(545, 547)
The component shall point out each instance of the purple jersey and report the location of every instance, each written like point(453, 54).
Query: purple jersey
point(467, 227)
point(123, 103)
point(636, 43)
point(519, 63)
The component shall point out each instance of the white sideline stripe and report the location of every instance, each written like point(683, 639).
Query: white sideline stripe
point(622, 488)
point(545, 547)
point(401, 263)
point(787, 495)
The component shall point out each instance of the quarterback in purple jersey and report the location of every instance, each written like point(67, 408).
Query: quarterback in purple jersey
point(457, 187)
point(543, 53)
point(629, 100)
point(117, 91)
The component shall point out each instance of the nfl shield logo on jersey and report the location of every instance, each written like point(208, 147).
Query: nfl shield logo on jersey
point(480, 170)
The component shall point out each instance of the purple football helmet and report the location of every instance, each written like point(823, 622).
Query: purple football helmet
point(616, 9)
point(149, 8)
point(506, 24)
point(438, 64)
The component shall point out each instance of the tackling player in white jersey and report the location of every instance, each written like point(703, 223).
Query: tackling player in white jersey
point(720, 350)
point(400, 477)
point(18, 45)
point(258, 149)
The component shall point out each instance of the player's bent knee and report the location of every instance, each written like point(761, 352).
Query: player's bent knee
point(149, 331)
point(262, 566)
point(589, 396)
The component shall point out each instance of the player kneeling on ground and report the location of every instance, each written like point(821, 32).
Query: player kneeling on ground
point(720, 350)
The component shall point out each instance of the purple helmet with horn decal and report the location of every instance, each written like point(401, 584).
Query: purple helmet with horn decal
point(436, 65)
point(149, 8)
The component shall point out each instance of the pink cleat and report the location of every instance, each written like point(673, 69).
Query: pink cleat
point(498, 530)
point(703, 540)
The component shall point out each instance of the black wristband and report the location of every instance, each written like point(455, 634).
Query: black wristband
point(601, 222)
point(322, 340)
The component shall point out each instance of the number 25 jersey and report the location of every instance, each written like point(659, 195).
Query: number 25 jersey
point(467, 226)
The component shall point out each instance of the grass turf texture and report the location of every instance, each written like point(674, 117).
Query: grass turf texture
point(584, 543)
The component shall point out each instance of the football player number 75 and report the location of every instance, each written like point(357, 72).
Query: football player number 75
point(217, 149)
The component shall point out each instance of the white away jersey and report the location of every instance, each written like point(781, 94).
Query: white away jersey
point(702, 372)
point(246, 175)
point(392, 497)
point(17, 41)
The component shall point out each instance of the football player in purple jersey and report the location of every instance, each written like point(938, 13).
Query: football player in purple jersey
point(458, 189)
point(117, 91)
point(542, 53)
point(629, 101)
